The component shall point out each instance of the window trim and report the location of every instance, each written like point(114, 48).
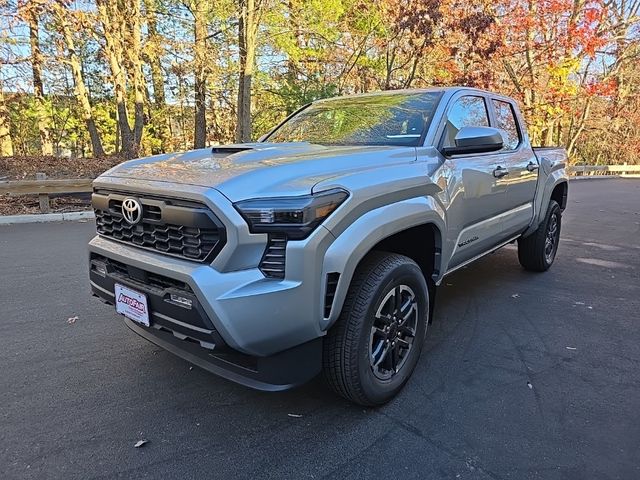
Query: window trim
point(420, 142)
point(443, 123)
point(494, 121)
point(488, 96)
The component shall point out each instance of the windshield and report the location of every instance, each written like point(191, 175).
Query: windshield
point(384, 119)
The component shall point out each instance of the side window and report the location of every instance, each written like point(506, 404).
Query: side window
point(506, 120)
point(468, 111)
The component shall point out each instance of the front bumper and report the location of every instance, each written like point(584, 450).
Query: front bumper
point(238, 311)
point(190, 334)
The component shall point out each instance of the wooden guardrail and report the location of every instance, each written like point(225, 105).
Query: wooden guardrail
point(44, 187)
point(590, 170)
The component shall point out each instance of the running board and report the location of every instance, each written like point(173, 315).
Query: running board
point(471, 260)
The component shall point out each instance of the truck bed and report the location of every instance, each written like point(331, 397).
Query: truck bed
point(552, 155)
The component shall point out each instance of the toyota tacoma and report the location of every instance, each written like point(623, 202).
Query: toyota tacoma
point(319, 247)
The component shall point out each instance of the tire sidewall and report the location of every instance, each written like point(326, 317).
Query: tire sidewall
point(380, 391)
point(554, 209)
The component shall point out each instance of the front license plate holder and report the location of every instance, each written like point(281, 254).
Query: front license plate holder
point(132, 304)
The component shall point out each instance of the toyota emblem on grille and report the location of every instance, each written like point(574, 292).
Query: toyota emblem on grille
point(131, 210)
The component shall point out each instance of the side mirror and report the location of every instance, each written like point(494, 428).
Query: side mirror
point(475, 140)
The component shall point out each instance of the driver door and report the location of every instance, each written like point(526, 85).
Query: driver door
point(475, 188)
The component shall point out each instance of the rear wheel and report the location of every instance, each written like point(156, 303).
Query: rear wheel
point(538, 251)
point(373, 348)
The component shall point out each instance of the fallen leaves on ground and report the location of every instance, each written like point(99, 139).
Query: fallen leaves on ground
point(26, 167)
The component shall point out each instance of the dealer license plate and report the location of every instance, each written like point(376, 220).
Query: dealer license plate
point(132, 304)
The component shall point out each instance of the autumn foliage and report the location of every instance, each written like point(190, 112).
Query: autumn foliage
point(146, 76)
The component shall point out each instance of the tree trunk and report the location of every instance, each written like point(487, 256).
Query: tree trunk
point(416, 60)
point(6, 145)
point(548, 138)
point(80, 89)
point(46, 145)
point(199, 11)
point(153, 52)
point(247, 33)
point(581, 125)
point(113, 27)
point(135, 57)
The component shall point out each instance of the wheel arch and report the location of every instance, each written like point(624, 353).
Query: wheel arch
point(409, 228)
point(422, 243)
point(554, 187)
point(560, 193)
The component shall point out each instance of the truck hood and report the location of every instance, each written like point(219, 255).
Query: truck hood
point(253, 170)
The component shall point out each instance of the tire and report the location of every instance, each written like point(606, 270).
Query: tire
point(360, 349)
point(538, 251)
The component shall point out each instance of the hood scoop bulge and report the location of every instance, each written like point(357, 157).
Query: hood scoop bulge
point(229, 150)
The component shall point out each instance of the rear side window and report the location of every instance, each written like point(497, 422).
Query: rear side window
point(468, 111)
point(506, 120)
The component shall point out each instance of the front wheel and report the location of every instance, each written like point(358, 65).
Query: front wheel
point(538, 251)
point(371, 351)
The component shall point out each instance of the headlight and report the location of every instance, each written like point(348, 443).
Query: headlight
point(297, 217)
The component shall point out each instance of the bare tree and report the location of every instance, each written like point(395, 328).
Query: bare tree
point(199, 9)
point(152, 55)
point(111, 24)
point(248, 24)
point(81, 93)
point(6, 145)
point(122, 43)
point(135, 60)
point(32, 13)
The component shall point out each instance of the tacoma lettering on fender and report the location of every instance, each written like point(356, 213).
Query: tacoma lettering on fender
point(319, 247)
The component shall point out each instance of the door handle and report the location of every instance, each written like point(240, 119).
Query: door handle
point(500, 172)
point(531, 166)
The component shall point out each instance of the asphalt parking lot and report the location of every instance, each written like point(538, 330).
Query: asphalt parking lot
point(524, 376)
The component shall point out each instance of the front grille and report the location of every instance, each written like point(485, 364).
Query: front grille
point(273, 261)
point(178, 228)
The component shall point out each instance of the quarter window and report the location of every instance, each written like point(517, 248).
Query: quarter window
point(468, 111)
point(506, 121)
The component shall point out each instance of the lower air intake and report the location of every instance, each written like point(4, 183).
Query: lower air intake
point(330, 292)
point(272, 264)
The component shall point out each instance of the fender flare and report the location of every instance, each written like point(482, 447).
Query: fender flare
point(351, 246)
point(545, 188)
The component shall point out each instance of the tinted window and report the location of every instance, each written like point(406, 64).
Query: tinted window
point(466, 112)
point(506, 121)
point(384, 119)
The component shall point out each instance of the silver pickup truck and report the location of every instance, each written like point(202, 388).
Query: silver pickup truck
point(319, 248)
